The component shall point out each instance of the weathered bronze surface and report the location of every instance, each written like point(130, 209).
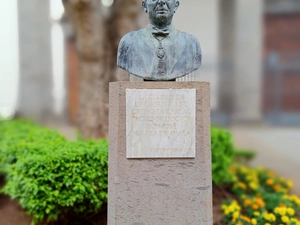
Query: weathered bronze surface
point(159, 51)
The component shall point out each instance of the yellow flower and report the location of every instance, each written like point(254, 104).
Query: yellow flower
point(269, 182)
point(244, 169)
point(254, 221)
point(247, 202)
point(296, 200)
point(272, 217)
point(243, 196)
point(269, 216)
point(246, 218)
point(285, 219)
point(223, 207)
point(290, 184)
point(232, 169)
point(260, 202)
point(253, 185)
point(290, 211)
point(236, 214)
point(294, 220)
point(277, 187)
point(255, 207)
point(280, 210)
point(256, 213)
point(242, 185)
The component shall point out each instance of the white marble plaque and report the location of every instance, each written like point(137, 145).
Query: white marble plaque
point(160, 123)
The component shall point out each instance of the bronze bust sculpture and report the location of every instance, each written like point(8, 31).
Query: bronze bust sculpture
point(159, 51)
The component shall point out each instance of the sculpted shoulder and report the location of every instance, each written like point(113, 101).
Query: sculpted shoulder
point(125, 47)
point(190, 40)
point(126, 40)
point(131, 37)
point(123, 50)
point(193, 45)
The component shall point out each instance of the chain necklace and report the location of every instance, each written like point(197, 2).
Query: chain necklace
point(161, 54)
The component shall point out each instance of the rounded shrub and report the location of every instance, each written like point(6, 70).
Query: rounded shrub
point(50, 176)
point(222, 150)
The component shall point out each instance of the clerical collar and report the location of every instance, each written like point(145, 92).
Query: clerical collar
point(157, 31)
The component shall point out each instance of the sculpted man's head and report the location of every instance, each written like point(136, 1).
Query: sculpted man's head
point(160, 11)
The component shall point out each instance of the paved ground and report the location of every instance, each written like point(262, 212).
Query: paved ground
point(277, 148)
point(10, 211)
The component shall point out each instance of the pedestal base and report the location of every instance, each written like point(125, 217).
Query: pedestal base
point(159, 191)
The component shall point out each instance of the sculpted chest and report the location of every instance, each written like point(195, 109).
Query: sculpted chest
point(159, 58)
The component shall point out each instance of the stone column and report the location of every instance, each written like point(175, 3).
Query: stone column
point(226, 45)
point(248, 61)
point(35, 85)
point(9, 59)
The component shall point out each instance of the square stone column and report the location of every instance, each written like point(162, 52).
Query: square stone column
point(35, 98)
point(241, 48)
point(248, 61)
point(159, 191)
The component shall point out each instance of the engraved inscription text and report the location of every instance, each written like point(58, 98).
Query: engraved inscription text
point(160, 123)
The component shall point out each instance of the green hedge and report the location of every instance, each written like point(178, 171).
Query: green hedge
point(52, 177)
point(223, 152)
point(21, 138)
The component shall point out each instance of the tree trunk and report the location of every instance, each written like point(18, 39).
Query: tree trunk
point(97, 40)
point(88, 25)
point(127, 15)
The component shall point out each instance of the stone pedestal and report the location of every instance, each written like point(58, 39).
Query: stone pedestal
point(167, 181)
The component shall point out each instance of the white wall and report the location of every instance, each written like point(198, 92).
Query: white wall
point(9, 57)
point(201, 18)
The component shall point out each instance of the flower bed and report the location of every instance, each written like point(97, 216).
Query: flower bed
point(262, 198)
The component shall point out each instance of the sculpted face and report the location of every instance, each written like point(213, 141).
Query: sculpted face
point(160, 11)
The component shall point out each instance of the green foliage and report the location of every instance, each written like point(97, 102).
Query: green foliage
point(52, 177)
point(20, 137)
point(223, 152)
point(244, 156)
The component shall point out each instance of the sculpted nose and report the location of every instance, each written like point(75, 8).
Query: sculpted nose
point(162, 2)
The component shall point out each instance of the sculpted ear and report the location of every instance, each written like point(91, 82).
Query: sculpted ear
point(176, 6)
point(145, 6)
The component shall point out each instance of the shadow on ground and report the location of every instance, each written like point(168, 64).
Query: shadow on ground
point(10, 211)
